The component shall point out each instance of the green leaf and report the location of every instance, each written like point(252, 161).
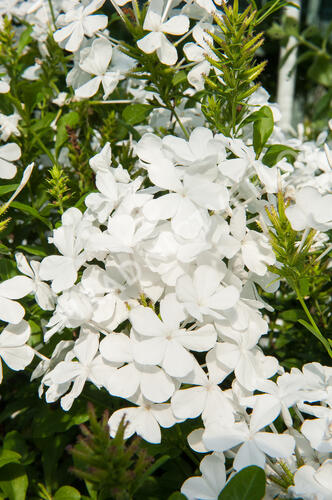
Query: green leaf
point(67, 493)
point(248, 484)
point(71, 120)
point(263, 127)
point(4, 250)
point(321, 71)
point(176, 496)
point(32, 250)
point(44, 122)
point(9, 188)
point(14, 442)
point(8, 457)
point(277, 152)
point(136, 113)
point(30, 211)
point(179, 77)
point(25, 38)
point(14, 481)
point(309, 327)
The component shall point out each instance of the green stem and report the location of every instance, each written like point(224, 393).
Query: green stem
point(52, 12)
point(180, 123)
point(313, 324)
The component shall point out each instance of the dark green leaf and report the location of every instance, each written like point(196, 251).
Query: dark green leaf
point(14, 481)
point(321, 71)
point(176, 496)
point(67, 493)
point(277, 152)
point(9, 188)
point(263, 128)
point(248, 484)
point(179, 77)
point(136, 113)
point(32, 250)
point(30, 211)
point(8, 457)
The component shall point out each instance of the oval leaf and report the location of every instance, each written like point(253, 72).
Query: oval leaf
point(67, 493)
point(248, 484)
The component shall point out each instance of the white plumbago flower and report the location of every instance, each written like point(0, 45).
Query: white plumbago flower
point(13, 349)
point(96, 61)
point(206, 398)
point(73, 309)
point(89, 366)
point(256, 443)
point(145, 419)
point(197, 52)
point(78, 22)
point(68, 238)
point(156, 40)
point(9, 153)
point(318, 431)
point(256, 250)
point(14, 288)
point(311, 484)
point(154, 384)
point(8, 125)
point(311, 210)
point(241, 354)
point(168, 344)
point(203, 295)
point(213, 479)
point(43, 293)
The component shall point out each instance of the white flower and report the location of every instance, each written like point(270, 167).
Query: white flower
point(144, 419)
point(311, 484)
point(311, 210)
point(203, 295)
point(9, 153)
point(8, 125)
point(89, 366)
point(212, 481)
point(14, 288)
point(95, 61)
point(62, 270)
point(167, 345)
point(43, 293)
point(156, 40)
point(256, 443)
point(78, 22)
point(13, 349)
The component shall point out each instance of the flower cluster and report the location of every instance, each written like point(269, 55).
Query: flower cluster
point(158, 279)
